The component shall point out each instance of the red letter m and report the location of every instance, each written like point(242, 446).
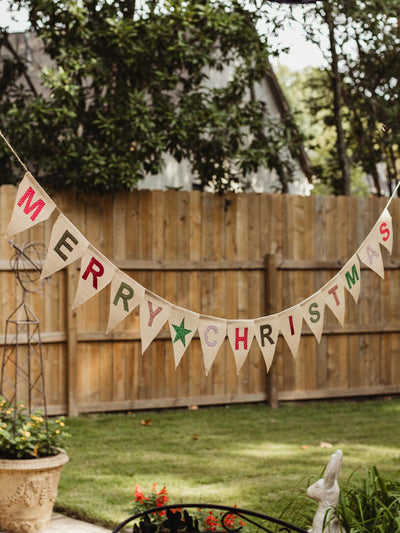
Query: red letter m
point(36, 207)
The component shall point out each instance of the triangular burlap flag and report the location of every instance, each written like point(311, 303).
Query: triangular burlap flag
point(154, 312)
point(182, 325)
point(351, 276)
point(333, 294)
point(370, 254)
point(96, 273)
point(266, 331)
point(66, 245)
point(125, 295)
point(384, 230)
point(313, 313)
point(32, 205)
point(290, 324)
point(212, 333)
point(240, 334)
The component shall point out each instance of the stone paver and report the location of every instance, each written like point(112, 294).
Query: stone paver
point(63, 524)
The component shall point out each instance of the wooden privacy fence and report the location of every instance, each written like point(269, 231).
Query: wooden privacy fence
point(233, 256)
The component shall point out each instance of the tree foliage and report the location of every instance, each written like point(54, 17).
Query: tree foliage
point(358, 91)
point(372, 87)
point(310, 99)
point(128, 83)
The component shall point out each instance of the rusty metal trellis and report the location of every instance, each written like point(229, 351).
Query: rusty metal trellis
point(22, 376)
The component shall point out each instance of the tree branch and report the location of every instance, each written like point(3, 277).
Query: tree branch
point(17, 58)
point(338, 102)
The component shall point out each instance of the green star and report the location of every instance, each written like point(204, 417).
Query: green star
point(181, 332)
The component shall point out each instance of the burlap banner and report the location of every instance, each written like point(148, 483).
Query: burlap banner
point(154, 313)
point(370, 250)
point(351, 276)
point(96, 273)
point(313, 312)
point(290, 325)
point(266, 330)
point(183, 325)
point(333, 295)
point(240, 335)
point(125, 296)
point(67, 244)
point(32, 206)
point(212, 332)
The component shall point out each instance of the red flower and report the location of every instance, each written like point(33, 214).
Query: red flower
point(162, 497)
point(139, 496)
point(211, 522)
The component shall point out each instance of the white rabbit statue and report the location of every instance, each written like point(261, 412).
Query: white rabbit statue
point(326, 492)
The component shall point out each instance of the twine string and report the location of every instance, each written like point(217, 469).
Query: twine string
point(393, 194)
point(22, 163)
point(13, 151)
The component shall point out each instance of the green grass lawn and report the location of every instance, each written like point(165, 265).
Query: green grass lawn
point(248, 455)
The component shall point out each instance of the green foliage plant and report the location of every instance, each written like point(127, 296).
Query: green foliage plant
point(28, 436)
point(124, 84)
point(370, 504)
point(155, 498)
point(355, 94)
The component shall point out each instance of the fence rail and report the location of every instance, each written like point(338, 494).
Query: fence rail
point(261, 255)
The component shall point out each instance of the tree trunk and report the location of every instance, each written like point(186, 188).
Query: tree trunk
point(375, 178)
point(338, 103)
point(391, 167)
point(283, 177)
point(24, 68)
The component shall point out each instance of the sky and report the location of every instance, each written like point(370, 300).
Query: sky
point(301, 54)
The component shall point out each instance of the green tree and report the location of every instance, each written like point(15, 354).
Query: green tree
point(310, 98)
point(128, 83)
point(358, 91)
point(371, 90)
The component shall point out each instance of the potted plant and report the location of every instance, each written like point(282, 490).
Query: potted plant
point(31, 459)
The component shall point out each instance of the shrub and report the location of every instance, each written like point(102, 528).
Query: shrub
point(26, 436)
point(371, 504)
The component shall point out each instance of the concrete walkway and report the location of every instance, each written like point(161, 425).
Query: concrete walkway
point(63, 524)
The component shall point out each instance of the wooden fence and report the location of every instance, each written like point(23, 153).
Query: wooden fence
point(234, 256)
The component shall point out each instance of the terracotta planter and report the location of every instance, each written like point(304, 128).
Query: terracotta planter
point(28, 490)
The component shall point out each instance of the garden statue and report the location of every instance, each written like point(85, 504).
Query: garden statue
point(326, 492)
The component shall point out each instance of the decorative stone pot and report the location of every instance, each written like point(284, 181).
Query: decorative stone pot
point(28, 490)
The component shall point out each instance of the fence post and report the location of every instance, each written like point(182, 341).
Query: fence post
point(72, 342)
point(271, 296)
